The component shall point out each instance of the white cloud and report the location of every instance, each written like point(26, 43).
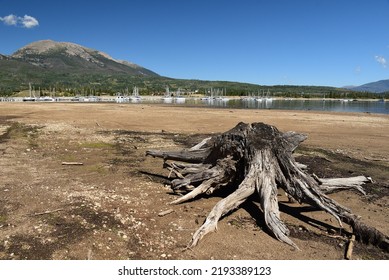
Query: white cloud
point(29, 21)
point(26, 21)
point(381, 60)
point(9, 20)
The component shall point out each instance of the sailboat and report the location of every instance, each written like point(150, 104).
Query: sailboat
point(179, 98)
point(167, 98)
point(135, 97)
point(249, 97)
point(223, 96)
point(121, 98)
point(45, 98)
point(268, 97)
point(259, 98)
point(32, 94)
point(208, 97)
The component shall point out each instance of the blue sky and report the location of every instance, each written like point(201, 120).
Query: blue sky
point(334, 43)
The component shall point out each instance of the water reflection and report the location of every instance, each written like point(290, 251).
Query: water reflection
point(380, 107)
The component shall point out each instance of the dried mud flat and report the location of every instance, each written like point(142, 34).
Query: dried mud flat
point(112, 206)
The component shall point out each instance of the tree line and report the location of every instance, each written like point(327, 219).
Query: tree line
point(97, 85)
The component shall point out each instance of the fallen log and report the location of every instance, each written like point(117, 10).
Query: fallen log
point(257, 158)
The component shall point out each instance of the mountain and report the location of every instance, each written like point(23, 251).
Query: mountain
point(69, 57)
point(72, 69)
point(375, 87)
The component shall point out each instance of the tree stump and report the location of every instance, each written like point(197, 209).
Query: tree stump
point(257, 158)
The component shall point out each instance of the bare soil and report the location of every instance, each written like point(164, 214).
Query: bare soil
point(108, 207)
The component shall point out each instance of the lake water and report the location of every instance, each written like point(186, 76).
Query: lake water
point(360, 106)
point(376, 107)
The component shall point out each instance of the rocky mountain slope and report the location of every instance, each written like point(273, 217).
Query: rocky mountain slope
point(75, 69)
point(376, 87)
point(65, 57)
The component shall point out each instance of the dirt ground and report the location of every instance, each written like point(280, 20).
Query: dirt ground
point(108, 207)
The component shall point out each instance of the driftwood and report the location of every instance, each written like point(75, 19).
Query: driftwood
point(47, 212)
point(257, 158)
point(71, 163)
point(350, 248)
point(166, 212)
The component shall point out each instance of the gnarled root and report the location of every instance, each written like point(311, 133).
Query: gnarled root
point(257, 158)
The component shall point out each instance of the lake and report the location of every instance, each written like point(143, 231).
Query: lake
point(358, 106)
point(376, 107)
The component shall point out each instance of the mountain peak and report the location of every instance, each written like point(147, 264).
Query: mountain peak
point(66, 56)
point(49, 46)
point(375, 87)
point(43, 46)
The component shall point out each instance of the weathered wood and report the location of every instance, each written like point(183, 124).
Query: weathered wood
point(350, 248)
point(46, 212)
point(257, 158)
point(166, 212)
point(194, 156)
point(330, 185)
point(201, 144)
point(71, 163)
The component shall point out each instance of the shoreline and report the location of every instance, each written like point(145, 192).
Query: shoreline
point(107, 98)
point(356, 133)
point(368, 106)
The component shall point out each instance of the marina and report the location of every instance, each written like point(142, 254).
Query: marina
point(265, 103)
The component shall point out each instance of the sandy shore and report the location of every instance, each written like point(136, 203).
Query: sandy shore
point(359, 134)
point(108, 207)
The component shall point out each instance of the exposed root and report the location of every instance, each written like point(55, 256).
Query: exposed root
point(223, 207)
point(257, 158)
point(330, 185)
point(195, 192)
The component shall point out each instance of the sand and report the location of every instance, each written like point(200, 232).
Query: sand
point(108, 207)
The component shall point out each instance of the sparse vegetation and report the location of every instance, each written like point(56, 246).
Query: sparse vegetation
point(97, 145)
point(73, 84)
point(90, 73)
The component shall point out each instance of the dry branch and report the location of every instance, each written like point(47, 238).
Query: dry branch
point(350, 247)
point(71, 163)
point(166, 212)
point(47, 212)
